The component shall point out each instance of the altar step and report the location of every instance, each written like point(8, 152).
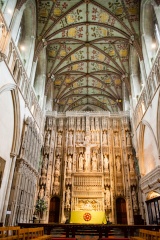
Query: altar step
point(116, 233)
point(58, 232)
point(86, 231)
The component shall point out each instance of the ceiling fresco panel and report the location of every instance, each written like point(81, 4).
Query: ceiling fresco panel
point(88, 48)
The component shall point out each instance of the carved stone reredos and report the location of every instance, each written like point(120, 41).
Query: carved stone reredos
point(92, 158)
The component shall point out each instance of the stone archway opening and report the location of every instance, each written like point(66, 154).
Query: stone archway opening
point(121, 211)
point(54, 210)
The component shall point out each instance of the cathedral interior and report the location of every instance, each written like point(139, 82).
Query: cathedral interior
point(80, 111)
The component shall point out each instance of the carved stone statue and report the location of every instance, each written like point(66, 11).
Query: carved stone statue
point(70, 139)
point(134, 199)
point(41, 192)
point(69, 160)
point(45, 161)
point(57, 164)
point(43, 180)
point(78, 136)
point(85, 165)
point(81, 161)
point(56, 180)
point(104, 138)
point(59, 139)
point(94, 162)
point(68, 197)
point(47, 138)
point(105, 162)
point(118, 163)
point(128, 139)
point(108, 197)
point(87, 146)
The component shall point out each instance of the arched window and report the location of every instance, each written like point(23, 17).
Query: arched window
point(7, 7)
point(26, 33)
point(3, 4)
point(135, 76)
point(23, 30)
point(150, 32)
point(156, 33)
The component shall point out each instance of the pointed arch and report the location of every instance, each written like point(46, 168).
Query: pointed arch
point(16, 133)
point(141, 144)
point(147, 148)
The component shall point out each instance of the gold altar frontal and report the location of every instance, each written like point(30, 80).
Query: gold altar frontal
point(88, 217)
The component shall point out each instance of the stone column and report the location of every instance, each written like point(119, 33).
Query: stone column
point(136, 84)
point(16, 193)
point(49, 97)
point(40, 78)
point(13, 161)
point(125, 95)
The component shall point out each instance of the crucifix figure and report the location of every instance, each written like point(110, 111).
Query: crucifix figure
point(87, 145)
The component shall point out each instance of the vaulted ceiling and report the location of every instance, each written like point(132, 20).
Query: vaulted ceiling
point(88, 47)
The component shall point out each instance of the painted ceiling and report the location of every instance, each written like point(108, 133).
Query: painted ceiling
point(88, 46)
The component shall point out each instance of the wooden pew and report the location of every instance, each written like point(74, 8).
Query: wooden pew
point(38, 234)
point(9, 233)
point(33, 233)
point(147, 235)
point(15, 233)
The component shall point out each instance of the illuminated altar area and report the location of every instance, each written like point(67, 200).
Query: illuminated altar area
point(93, 158)
point(88, 217)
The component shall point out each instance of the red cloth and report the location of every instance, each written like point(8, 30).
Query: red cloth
point(111, 238)
point(57, 238)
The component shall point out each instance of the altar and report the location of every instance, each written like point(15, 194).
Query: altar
point(88, 217)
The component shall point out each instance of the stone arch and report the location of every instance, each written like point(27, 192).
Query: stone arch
point(16, 133)
point(148, 31)
point(141, 144)
point(147, 148)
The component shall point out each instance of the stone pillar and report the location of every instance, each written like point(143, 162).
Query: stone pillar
point(16, 193)
point(30, 55)
point(13, 160)
point(136, 84)
point(125, 95)
point(40, 78)
point(33, 72)
point(49, 97)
